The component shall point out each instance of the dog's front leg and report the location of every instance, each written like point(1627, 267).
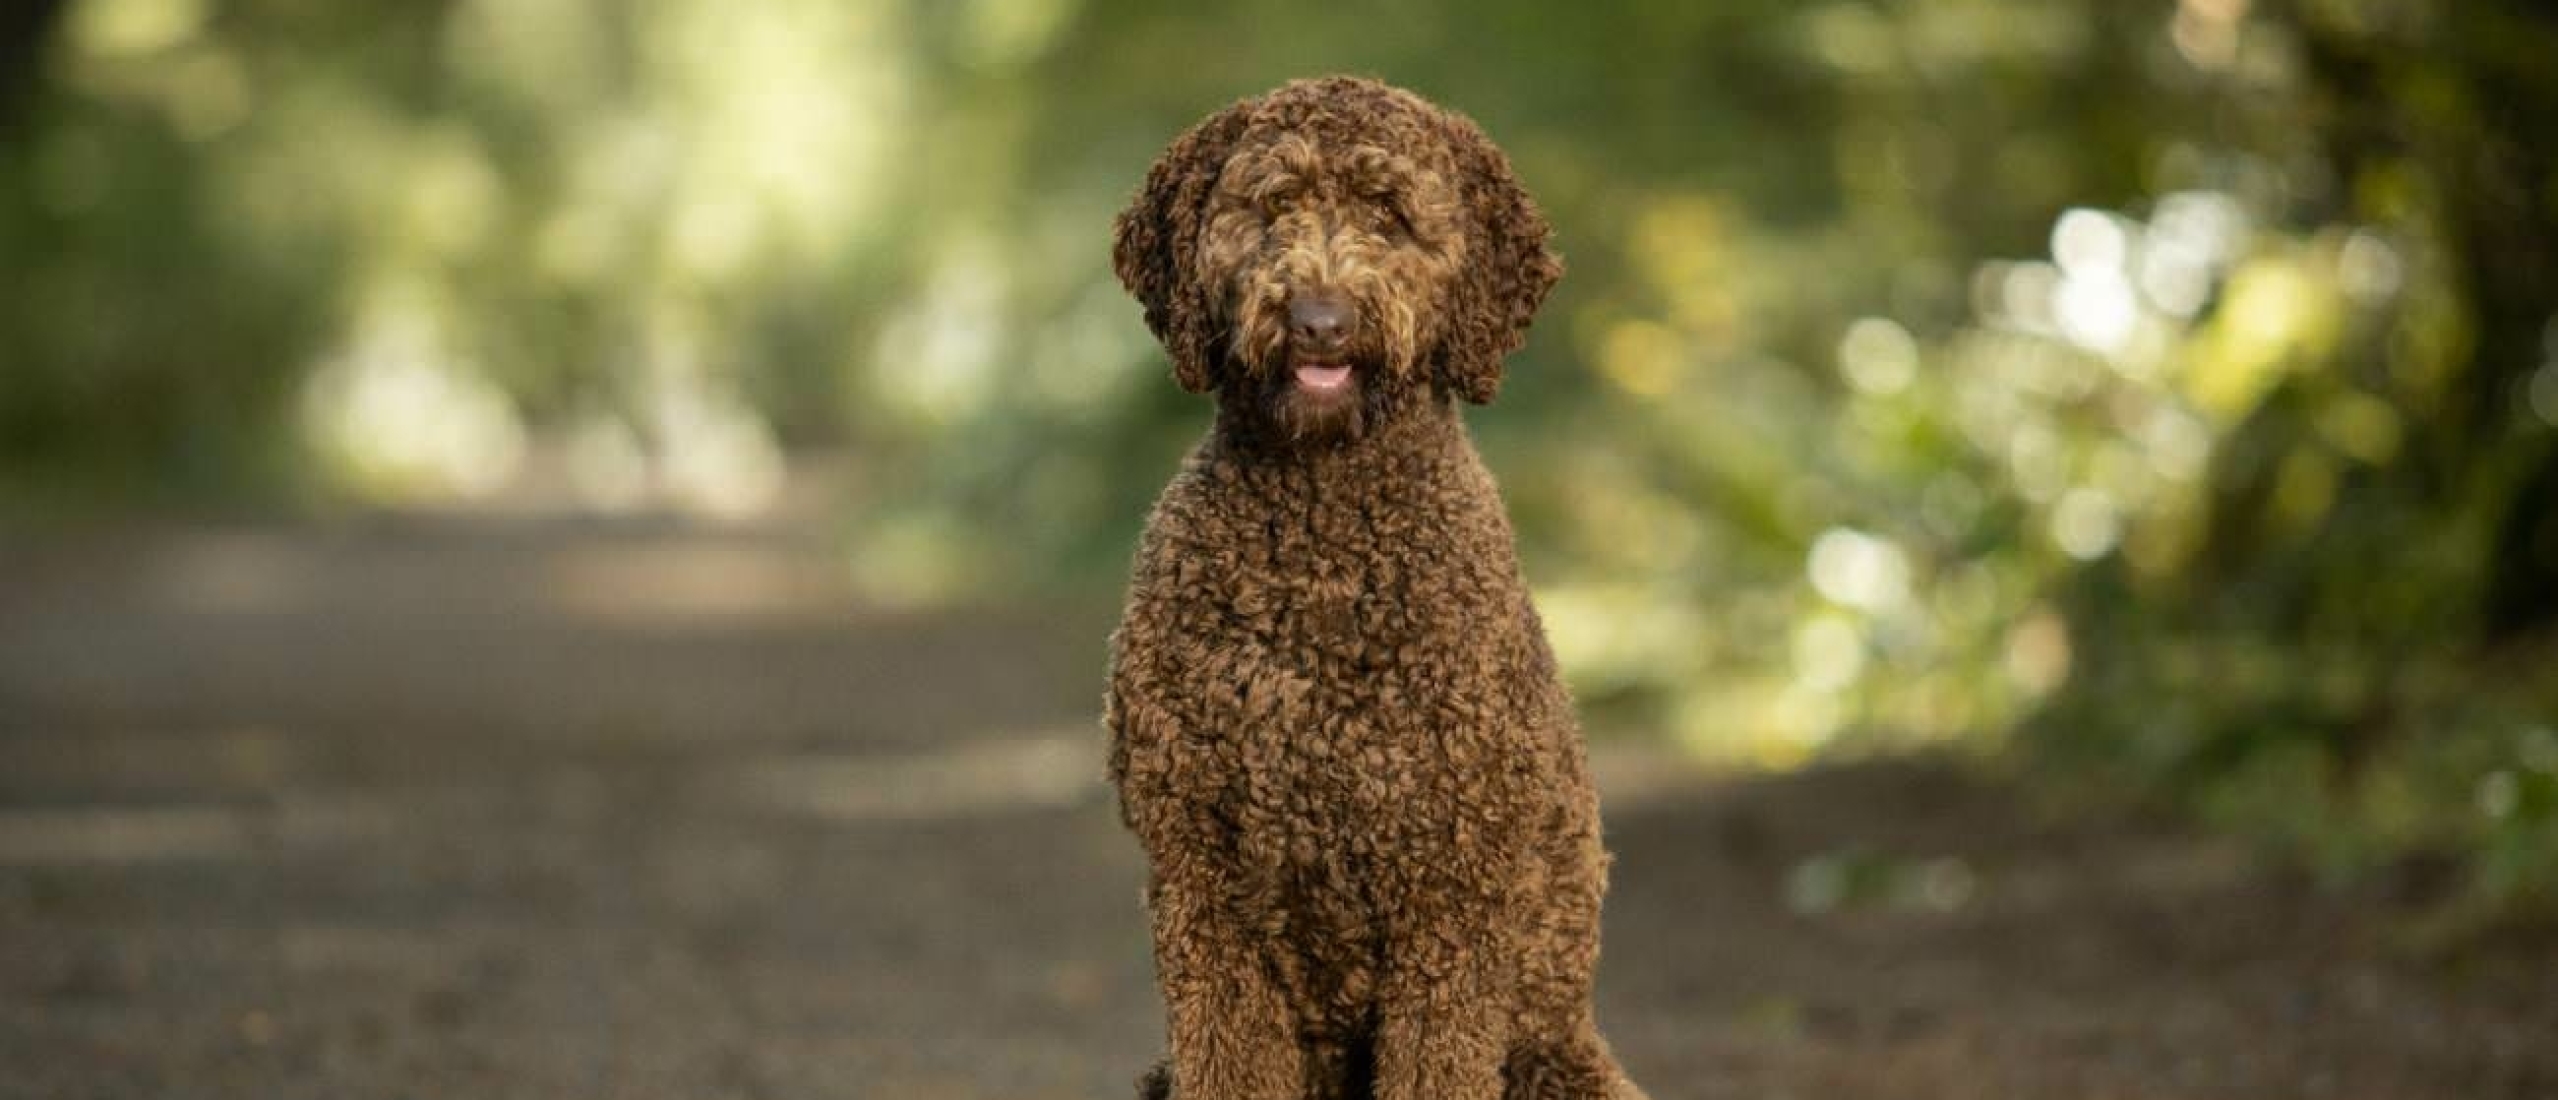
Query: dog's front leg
point(1441, 1032)
point(1231, 1031)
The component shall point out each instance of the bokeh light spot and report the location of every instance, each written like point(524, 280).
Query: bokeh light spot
point(1878, 356)
point(110, 28)
point(1859, 570)
point(2086, 524)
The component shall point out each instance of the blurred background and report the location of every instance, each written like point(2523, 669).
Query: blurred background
point(2150, 406)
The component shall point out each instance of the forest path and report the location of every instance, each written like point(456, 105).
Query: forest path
point(517, 805)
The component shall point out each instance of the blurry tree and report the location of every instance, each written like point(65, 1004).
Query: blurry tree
point(24, 29)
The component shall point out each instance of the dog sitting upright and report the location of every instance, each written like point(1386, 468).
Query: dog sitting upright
point(1337, 730)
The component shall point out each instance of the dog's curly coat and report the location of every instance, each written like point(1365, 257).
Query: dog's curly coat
point(1337, 727)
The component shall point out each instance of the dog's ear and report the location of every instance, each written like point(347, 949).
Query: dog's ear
point(1155, 246)
point(1508, 268)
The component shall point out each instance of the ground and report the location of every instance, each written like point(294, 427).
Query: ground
point(518, 805)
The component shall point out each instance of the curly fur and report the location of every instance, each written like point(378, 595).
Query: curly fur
point(1337, 729)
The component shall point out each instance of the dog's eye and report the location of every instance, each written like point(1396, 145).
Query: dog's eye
point(1387, 215)
point(1278, 202)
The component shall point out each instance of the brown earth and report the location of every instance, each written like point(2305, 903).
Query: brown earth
point(523, 806)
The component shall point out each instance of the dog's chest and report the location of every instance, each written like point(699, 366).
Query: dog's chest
point(1366, 716)
point(1358, 689)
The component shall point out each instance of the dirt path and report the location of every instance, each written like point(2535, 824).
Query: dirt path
point(520, 807)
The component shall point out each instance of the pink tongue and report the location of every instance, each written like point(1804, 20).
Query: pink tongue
point(1323, 378)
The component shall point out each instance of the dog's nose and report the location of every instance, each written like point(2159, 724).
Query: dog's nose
point(1318, 321)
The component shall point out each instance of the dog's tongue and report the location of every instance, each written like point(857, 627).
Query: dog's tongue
point(1325, 378)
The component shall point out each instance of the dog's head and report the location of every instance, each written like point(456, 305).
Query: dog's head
point(1331, 249)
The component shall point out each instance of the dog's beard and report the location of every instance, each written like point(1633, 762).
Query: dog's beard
point(1304, 416)
point(1301, 413)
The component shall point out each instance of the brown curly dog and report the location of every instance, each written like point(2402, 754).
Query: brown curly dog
point(1336, 725)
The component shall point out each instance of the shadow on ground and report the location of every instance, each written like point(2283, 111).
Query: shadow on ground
point(537, 807)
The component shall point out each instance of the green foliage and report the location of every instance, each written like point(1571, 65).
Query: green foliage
point(2158, 391)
